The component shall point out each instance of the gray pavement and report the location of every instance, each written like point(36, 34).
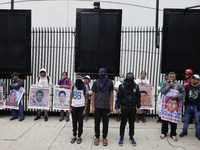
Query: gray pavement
point(55, 135)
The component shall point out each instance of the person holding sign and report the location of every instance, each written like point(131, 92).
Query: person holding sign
point(192, 105)
point(66, 83)
point(43, 79)
point(176, 89)
point(142, 81)
point(16, 84)
point(77, 106)
point(128, 103)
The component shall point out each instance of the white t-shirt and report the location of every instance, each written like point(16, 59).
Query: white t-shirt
point(117, 84)
point(141, 81)
point(78, 99)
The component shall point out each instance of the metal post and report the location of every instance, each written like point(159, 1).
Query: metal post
point(12, 4)
point(157, 33)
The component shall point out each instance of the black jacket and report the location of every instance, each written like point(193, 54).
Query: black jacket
point(187, 89)
point(128, 98)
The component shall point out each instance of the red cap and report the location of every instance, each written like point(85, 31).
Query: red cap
point(189, 71)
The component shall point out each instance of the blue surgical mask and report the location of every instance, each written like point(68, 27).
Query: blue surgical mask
point(121, 79)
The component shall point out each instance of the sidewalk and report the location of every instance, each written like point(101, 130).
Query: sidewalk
point(55, 135)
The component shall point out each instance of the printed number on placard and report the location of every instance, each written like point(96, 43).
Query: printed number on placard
point(77, 95)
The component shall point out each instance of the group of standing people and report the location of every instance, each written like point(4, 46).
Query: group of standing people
point(128, 102)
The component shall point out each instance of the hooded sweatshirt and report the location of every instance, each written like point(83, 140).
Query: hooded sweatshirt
point(43, 80)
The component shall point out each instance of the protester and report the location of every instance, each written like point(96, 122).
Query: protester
point(192, 105)
point(66, 83)
point(87, 81)
point(159, 100)
point(128, 103)
point(142, 81)
point(166, 86)
point(188, 78)
point(77, 106)
point(43, 79)
point(116, 87)
point(102, 104)
point(2, 83)
point(17, 84)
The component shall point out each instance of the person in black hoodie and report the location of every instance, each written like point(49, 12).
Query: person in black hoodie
point(128, 103)
point(192, 105)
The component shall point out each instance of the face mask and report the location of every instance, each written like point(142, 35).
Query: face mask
point(102, 76)
point(129, 80)
point(121, 79)
point(78, 80)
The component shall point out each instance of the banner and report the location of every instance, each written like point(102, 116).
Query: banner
point(39, 97)
point(1, 98)
point(61, 98)
point(171, 109)
point(147, 98)
point(14, 98)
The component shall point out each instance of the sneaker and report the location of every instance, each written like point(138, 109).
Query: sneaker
point(21, 119)
point(121, 141)
point(183, 134)
point(45, 118)
point(86, 119)
point(67, 119)
point(132, 141)
point(13, 118)
point(198, 136)
point(37, 117)
point(61, 119)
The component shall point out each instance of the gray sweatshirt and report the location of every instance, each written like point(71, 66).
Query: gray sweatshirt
point(178, 86)
point(2, 83)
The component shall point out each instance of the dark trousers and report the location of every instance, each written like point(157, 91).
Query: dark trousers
point(20, 112)
point(62, 114)
point(164, 129)
point(77, 117)
point(104, 114)
point(127, 112)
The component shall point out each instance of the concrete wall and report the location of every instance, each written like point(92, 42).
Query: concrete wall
point(62, 13)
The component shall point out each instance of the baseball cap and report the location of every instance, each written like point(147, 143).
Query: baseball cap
point(129, 74)
point(196, 76)
point(87, 76)
point(15, 74)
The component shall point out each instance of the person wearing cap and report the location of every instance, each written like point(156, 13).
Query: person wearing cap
point(142, 81)
point(44, 80)
point(116, 88)
point(2, 83)
point(128, 104)
point(17, 84)
point(159, 100)
point(87, 81)
point(66, 83)
point(102, 104)
point(188, 77)
point(171, 83)
point(192, 105)
point(77, 106)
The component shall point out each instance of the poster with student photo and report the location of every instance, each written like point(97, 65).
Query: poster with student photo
point(171, 109)
point(147, 99)
point(14, 98)
point(1, 98)
point(61, 98)
point(39, 97)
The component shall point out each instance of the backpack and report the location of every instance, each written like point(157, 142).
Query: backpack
point(47, 79)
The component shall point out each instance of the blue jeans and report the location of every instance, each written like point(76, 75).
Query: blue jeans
point(191, 110)
point(20, 111)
